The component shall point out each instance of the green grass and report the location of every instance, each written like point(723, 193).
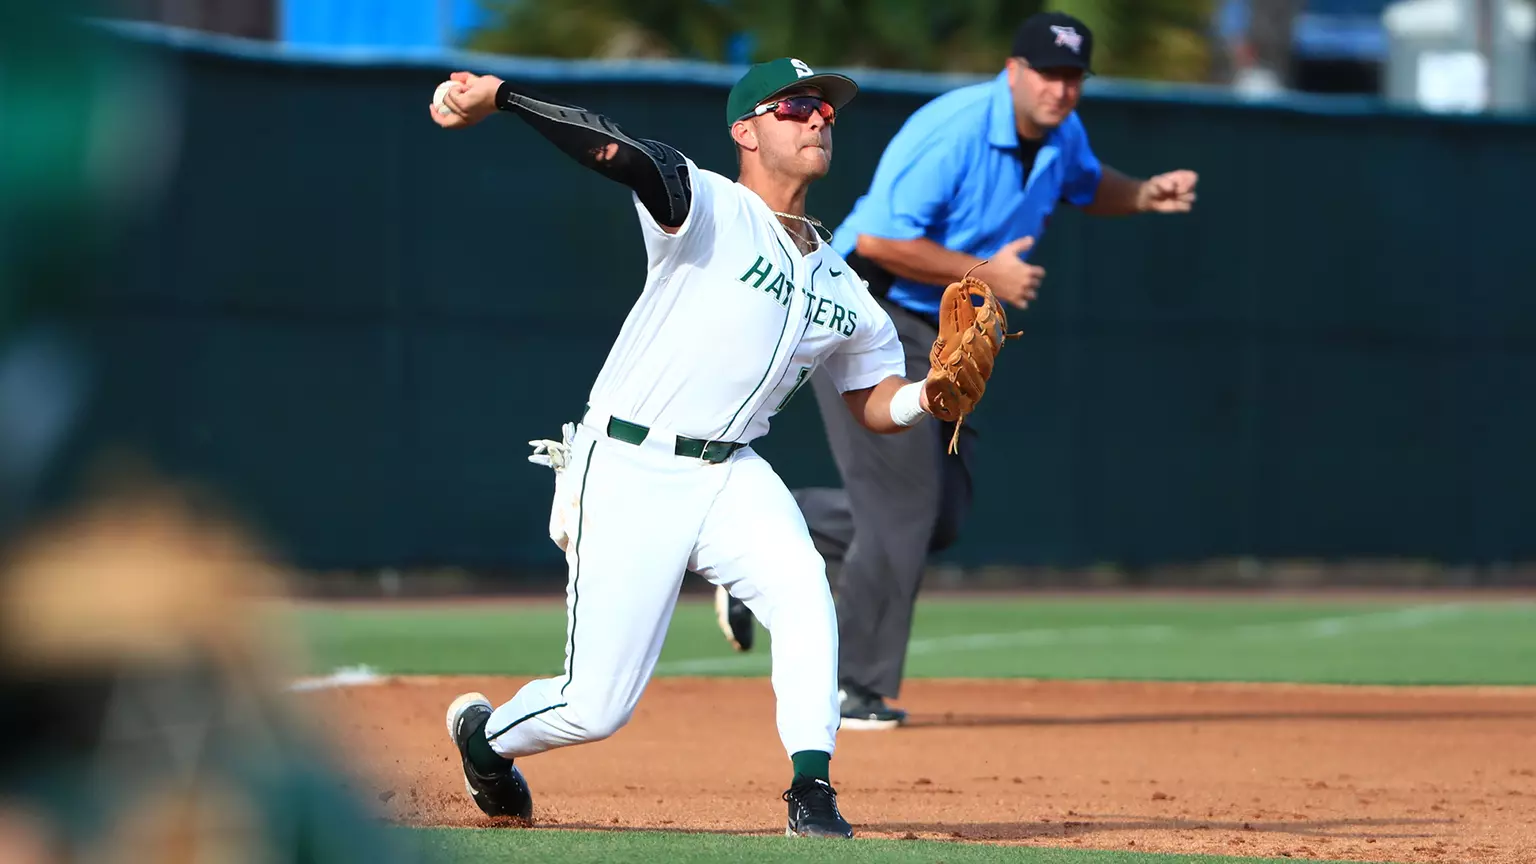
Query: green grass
point(575, 847)
point(1382, 642)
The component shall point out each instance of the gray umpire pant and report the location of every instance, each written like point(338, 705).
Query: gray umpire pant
point(903, 496)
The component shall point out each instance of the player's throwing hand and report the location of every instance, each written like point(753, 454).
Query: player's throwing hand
point(472, 99)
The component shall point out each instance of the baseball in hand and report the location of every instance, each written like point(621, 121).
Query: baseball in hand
point(437, 98)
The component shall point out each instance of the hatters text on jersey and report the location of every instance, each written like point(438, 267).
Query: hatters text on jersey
point(821, 311)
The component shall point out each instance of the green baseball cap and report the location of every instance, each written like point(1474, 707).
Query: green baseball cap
point(766, 80)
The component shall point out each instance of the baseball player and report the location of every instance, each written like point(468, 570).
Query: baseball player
point(743, 299)
point(975, 174)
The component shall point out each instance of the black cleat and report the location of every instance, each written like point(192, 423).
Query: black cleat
point(813, 811)
point(862, 709)
point(735, 620)
point(503, 793)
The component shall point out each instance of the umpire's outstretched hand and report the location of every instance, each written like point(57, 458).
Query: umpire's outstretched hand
point(1173, 192)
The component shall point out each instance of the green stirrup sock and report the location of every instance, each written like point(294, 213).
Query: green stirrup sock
point(811, 765)
point(485, 760)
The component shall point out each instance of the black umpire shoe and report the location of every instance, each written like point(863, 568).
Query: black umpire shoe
point(735, 620)
point(862, 709)
point(502, 793)
point(813, 811)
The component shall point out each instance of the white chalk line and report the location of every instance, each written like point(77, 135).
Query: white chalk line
point(1408, 618)
point(1330, 627)
point(1309, 628)
point(346, 676)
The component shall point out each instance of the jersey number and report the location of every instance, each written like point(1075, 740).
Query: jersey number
point(805, 372)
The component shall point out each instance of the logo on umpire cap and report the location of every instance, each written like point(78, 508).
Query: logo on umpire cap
point(1069, 37)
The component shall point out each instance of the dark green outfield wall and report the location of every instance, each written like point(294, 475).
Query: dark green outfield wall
point(353, 322)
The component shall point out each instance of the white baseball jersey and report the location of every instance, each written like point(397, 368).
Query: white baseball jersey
point(733, 320)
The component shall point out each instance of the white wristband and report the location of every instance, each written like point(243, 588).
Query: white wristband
point(906, 405)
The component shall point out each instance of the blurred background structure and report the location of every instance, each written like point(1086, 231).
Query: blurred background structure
point(1371, 47)
point(1321, 376)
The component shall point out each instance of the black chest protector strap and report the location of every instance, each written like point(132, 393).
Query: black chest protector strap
point(656, 171)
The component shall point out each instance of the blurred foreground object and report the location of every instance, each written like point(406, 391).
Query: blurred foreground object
point(141, 704)
point(87, 137)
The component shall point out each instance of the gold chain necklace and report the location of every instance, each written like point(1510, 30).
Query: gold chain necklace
point(811, 221)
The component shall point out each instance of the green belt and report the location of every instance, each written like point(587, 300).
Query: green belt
point(694, 448)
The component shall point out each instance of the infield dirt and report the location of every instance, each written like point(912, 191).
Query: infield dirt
point(1344, 773)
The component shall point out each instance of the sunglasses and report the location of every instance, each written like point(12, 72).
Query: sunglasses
point(798, 108)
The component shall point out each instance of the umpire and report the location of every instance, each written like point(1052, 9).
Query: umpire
point(972, 175)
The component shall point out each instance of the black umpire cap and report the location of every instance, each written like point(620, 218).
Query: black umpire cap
point(1052, 40)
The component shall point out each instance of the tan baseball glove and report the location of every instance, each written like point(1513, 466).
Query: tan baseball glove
point(970, 335)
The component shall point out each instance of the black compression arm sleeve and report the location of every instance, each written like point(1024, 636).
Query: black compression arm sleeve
point(654, 170)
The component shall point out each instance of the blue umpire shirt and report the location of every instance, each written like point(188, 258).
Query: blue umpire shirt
point(953, 174)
